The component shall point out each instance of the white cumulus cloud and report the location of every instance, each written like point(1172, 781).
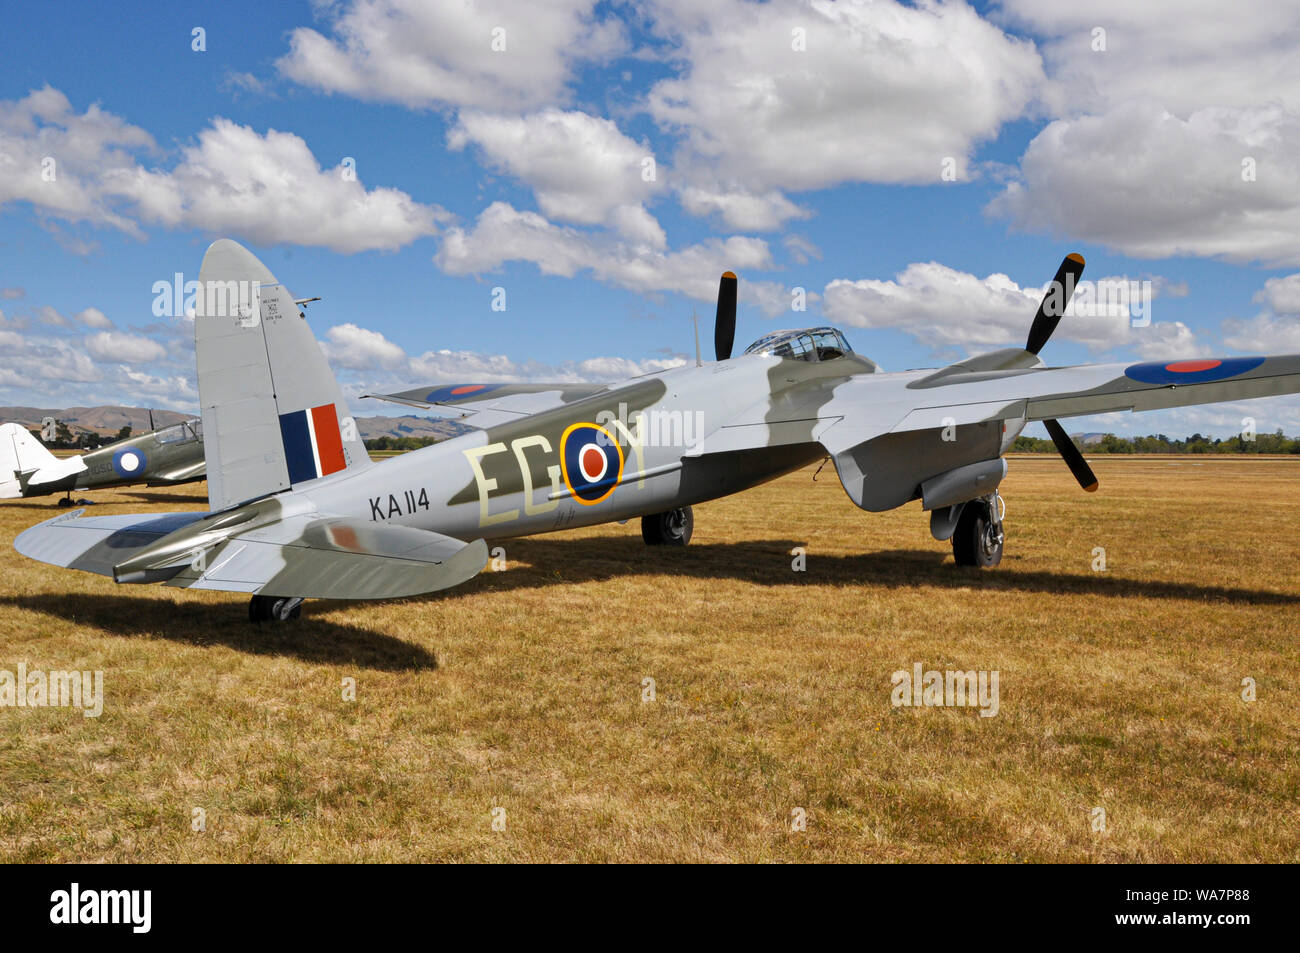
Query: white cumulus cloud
point(581, 168)
point(120, 346)
point(264, 187)
point(502, 233)
point(943, 307)
point(808, 95)
point(433, 54)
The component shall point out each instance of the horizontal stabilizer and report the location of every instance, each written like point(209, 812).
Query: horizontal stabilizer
point(337, 559)
point(308, 556)
point(97, 543)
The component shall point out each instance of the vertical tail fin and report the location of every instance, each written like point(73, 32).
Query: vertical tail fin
point(24, 462)
point(273, 414)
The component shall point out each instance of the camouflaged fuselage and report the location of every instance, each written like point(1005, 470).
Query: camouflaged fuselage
point(513, 479)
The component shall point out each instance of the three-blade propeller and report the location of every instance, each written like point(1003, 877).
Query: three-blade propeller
point(1045, 321)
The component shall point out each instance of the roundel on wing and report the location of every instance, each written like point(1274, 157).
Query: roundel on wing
point(129, 462)
point(1191, 372)
point(454, 392)
point(591, 461)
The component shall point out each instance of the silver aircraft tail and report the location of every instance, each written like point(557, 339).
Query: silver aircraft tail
point(273, 418)
point(25, 462)
point(273, 414)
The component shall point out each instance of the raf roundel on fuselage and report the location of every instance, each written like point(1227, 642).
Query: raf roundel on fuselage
point(591, 461)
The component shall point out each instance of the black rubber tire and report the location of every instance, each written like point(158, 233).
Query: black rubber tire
point(972, 542)
point(672, 528)
point(268, 609)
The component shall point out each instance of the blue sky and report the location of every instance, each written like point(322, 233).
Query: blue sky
point(807, 159)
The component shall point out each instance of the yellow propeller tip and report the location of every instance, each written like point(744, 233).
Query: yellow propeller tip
point(729, 274)
point(1090, 488)
point(1075, 257)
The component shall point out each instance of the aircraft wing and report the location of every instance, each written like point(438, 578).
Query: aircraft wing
point(309, 555)
point(847, 411)
point(1043, 393)
point(491, 404)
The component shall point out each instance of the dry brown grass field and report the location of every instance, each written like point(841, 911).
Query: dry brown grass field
point(522, 690)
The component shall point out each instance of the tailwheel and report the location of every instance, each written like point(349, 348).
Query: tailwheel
point(672, 528)
point(274, 608)
point(978, 538)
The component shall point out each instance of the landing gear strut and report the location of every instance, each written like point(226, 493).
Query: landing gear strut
point(672, 528)
point(274, 608)
point(978, 538)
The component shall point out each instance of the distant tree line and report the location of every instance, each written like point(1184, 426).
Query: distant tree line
point(1158, 443)
point(399, 443)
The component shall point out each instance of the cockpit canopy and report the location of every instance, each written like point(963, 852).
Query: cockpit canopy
point(186, 430)
point(804, 344)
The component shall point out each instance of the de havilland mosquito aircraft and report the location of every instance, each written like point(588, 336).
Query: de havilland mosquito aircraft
point(298, 509)
point(163, 457)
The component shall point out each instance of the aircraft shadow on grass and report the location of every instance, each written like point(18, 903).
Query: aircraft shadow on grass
point(313, 640)
point(538, 561)
point(768, 562)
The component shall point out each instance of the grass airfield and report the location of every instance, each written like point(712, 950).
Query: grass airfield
point(523, 691)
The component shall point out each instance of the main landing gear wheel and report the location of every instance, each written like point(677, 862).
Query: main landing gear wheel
point(274, 608)
point(978, 538)
point(672, 528)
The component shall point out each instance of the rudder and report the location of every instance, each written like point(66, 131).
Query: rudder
point(273, 414)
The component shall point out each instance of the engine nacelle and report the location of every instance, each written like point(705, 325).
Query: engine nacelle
point(962, 484)
point(947, 494)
